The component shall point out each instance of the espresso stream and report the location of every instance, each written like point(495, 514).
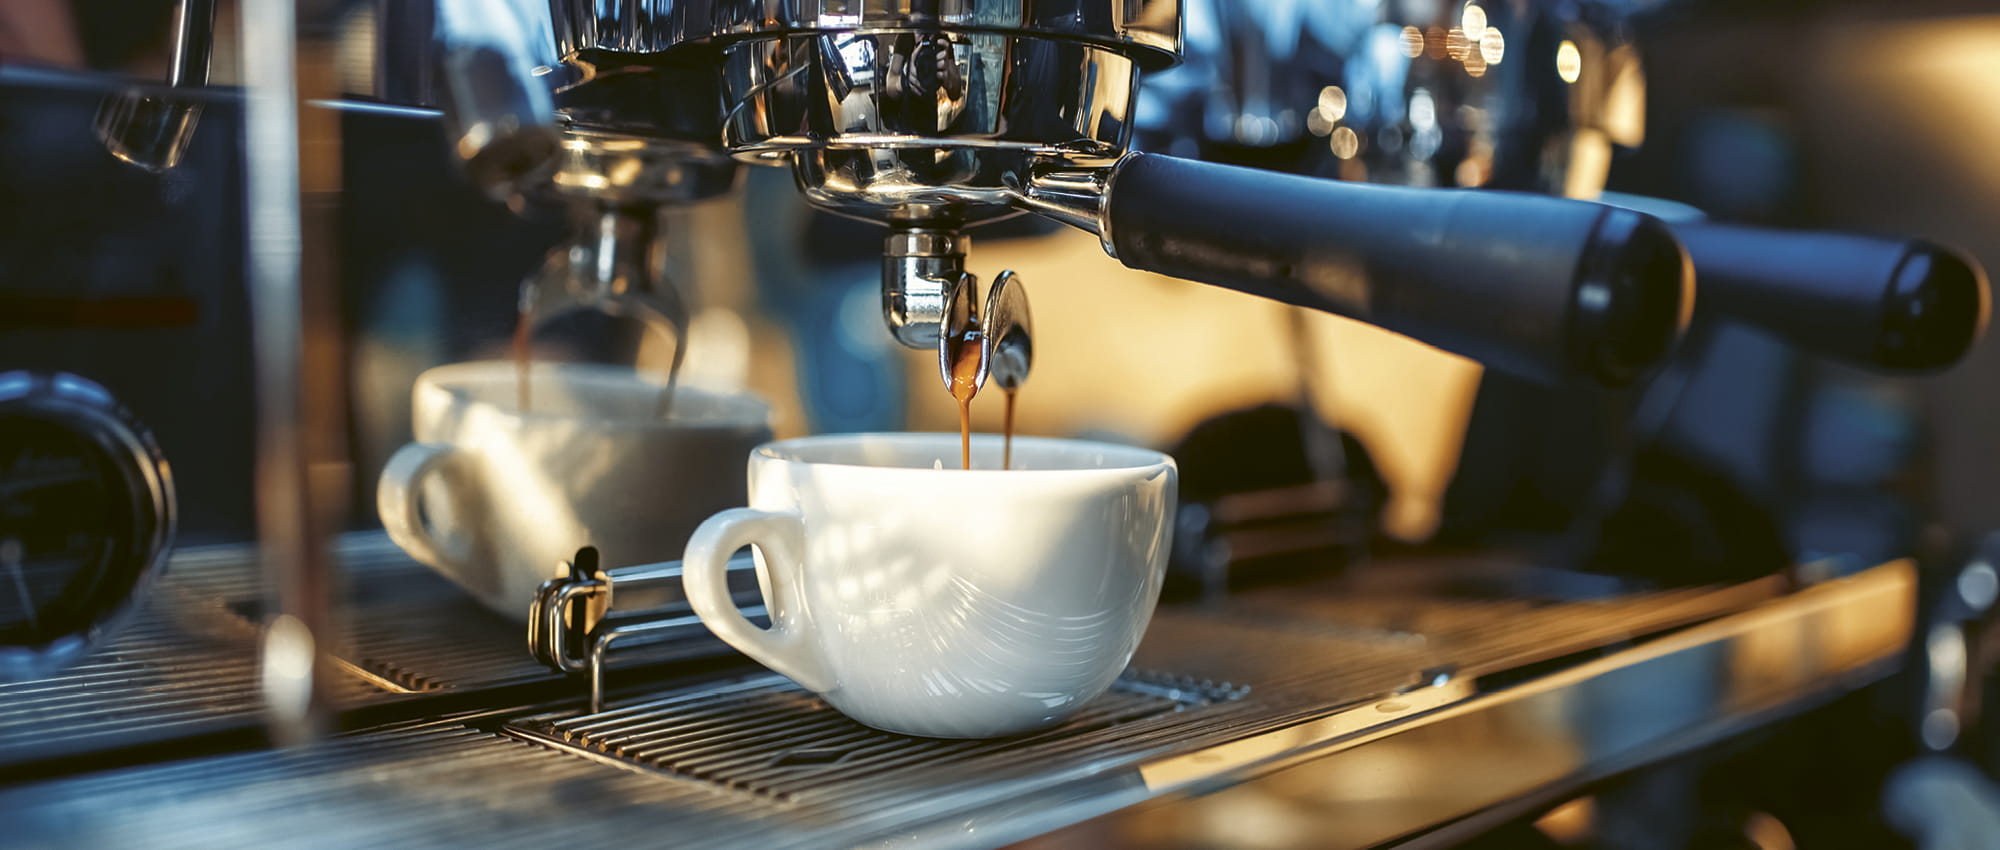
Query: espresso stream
point(966, 352)
point(1007, 454)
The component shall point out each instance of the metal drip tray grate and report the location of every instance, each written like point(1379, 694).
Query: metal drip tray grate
point(754, 761)
point(187, 662)
point(766, 737)
point(438, 645)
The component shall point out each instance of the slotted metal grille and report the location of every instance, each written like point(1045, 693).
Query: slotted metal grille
point(154, 677)
point(443, 785)
point(767, 737)
point(427, 646)
point(187, 662)
point(755, 761)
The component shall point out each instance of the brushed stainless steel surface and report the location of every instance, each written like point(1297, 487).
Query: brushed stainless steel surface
point(187, 662)
point(1148, 28)
point(1467, 767)
point(767, 737)
point(437, 785)
point(1336, 726)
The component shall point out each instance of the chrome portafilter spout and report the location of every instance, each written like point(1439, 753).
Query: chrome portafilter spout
point(152, 129)
point(613, 263)
point(921, 269)
point(929, 299)
point(621, 191)
point(1008, 332)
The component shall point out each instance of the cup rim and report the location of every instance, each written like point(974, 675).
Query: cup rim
point(450, 377)
point(1142, 459)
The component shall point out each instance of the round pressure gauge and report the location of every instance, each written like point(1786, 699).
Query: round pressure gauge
point(86, 519)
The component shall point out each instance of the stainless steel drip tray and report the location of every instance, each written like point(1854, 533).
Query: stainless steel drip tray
point(186, 666)
point(765, 738)
point(1217, 697)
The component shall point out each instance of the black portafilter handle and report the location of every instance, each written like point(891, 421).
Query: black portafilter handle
point(1544, 288)
point(1884, 303)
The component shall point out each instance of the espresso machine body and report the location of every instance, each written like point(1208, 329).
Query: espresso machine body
point(464, 169)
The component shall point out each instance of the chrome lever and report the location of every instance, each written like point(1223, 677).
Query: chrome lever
point(152, 129)
point(578, 617)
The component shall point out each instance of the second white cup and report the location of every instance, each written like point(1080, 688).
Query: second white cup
point(496, 499)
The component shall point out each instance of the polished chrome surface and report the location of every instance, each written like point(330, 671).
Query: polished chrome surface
point(921, 269)
point(499, 116)
point(501, 124)
point(1007, 329)
point(1075, 194)
point(959, 311)
point(579, 618)
point(614, 168)
point(149, 131)
point(923, 126)
point(152, 130)
point(498, 111)
point(1150, 29)
point(527, 117)
point(1348, 728)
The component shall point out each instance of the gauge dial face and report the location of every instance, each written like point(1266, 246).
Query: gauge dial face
point(66, 520)
point(85, 514)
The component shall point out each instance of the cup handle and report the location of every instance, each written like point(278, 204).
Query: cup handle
point(786, 646)
point(399, 499)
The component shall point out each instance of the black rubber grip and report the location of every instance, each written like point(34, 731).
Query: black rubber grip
point(1897, 304)
point(1545, 288)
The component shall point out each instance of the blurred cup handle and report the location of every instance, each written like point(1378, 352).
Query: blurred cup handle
point(399, 499)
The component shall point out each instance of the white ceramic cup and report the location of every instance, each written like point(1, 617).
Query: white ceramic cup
point(921, 598)
point(497, 500)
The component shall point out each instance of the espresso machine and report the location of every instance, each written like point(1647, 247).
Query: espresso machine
point(316, 686)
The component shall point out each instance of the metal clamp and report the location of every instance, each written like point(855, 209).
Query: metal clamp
point(581, 615)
